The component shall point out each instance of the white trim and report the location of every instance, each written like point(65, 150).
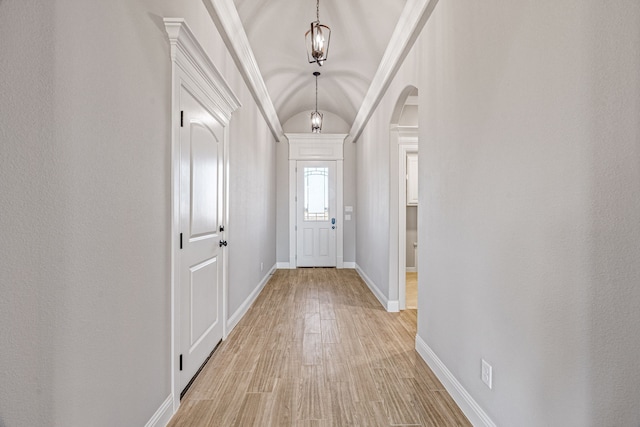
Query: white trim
point(304, 146)
point(293, 214)
point(315, 137)
point(407, 143)
point(283, 266)
point(163, 415)
point(351, 265)
point(411, 270)
point(413, 17)
point(226, 18)
point(340, 213)
point(244, 307)
point(393, 306)
point(309, 146)
point(390, 306)
point(467, 404)
point(191, 66)
point(190, 57)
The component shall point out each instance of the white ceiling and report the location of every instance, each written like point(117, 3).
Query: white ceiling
point(369, 42)
point(360, 33)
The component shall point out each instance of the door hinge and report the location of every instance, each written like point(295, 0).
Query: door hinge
point(181, 119)
point(296, 199)
point(180, 240)
point(296, 227)
point(181, 362)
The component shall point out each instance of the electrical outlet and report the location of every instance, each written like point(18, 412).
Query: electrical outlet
point(261, 267)
point(487, 374)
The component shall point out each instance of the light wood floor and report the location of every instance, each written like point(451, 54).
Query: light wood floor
point(317, 349)
point(412, 290)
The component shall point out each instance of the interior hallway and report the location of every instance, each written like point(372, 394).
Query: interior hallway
point(317, 349)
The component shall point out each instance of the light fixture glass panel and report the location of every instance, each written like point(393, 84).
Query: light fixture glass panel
point(317, 40)
point(316, 194)
point(316, 122)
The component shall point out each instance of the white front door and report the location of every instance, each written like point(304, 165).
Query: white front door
point(316, 214)
point(200, 257)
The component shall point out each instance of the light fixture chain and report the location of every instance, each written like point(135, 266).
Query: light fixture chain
point(316, 93)
point(318, 10)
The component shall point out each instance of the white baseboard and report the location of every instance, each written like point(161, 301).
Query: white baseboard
point(349, 265)
point(283, 266)
point(163, 415)
point(460, 395)
point(391, 306)
point(411, 270)
point(244, 307)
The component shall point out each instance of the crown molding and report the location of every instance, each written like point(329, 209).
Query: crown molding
point(413, 17)
point(225, 15)
point(189, 55)
point(316, 136)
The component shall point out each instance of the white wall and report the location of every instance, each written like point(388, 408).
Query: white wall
point(299, 123)
point(85, 196)
point(530, 230)
point(376, 164)
point(529, 225)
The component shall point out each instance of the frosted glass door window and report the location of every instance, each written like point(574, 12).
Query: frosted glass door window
point(316, 194)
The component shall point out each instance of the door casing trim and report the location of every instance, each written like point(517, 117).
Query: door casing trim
point(310, 146)
point(190, 65)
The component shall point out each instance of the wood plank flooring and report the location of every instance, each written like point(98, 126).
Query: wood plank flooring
point(316, 349)
point(412, 289)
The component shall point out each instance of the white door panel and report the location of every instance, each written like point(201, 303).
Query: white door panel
point(317, 218)
point(200, 259)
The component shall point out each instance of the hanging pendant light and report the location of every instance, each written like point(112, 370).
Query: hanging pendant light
point(316, 116)
point(317, 39)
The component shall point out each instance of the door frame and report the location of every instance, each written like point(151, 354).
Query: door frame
point(407, 143)
point(191, 68)
point(310, 146)
point(400, 137)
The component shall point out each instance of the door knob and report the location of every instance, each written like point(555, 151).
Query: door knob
point(223, 243)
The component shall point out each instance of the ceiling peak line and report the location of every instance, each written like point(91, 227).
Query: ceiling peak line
point(225, 16)
point(413, 18)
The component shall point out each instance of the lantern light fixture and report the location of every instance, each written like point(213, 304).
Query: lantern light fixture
point(316, 116)
point(317, 40)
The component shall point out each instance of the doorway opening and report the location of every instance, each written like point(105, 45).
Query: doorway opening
point(316, 177)
point(403, 264)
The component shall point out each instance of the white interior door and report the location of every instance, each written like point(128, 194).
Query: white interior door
point(317, 218)
point(201, 215)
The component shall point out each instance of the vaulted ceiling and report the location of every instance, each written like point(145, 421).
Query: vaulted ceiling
point(369, 41)
point(360, 32)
